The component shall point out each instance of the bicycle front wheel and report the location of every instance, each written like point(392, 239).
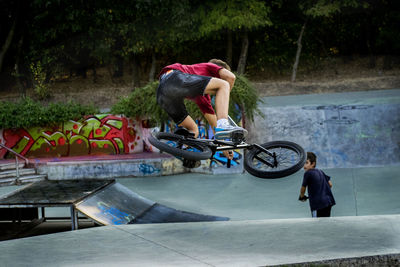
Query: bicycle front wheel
point(179, 146)
point(288, 158)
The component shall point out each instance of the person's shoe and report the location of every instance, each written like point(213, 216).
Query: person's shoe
point(230, 133)
point(183, 131)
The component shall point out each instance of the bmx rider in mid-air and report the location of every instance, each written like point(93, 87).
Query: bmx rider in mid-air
point(197, 82)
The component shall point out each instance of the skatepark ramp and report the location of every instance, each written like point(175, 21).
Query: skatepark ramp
point(106, 202)
point(116, 204)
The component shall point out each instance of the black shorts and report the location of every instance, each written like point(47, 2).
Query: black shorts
point(175, 87)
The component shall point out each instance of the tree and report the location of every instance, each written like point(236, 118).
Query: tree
point(7, 43)
point(311, 9)
point(227, 17)
point(153, 27)
point(9, 18)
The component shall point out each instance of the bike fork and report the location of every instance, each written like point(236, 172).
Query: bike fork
point(273, 155)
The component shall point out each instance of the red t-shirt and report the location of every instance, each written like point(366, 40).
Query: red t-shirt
point(204, 69)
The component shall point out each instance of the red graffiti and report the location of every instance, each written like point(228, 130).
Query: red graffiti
point(101, 134)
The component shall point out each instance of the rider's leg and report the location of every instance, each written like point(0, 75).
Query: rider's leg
point(220, 88)
point(190, 125)
point(212, 120)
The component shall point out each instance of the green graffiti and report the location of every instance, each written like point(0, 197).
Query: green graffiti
point(37, 132)
point(72, 127)
point(93, 125)
point(120, 145)
point(115, 123)
point(19, 147)
point(101, 116)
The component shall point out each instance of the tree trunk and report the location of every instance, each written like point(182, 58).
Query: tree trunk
point(119, 60)
point(153, 67)
point(296, 62)
point(18, 74)
point(119, 67)
point(135, 72)
point(229, 48)
point(7, 44)
point(243, 54)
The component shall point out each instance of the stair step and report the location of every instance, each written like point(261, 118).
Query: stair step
point(13, 173)
point(30, 178)
point(23, 179)
point(11, 166)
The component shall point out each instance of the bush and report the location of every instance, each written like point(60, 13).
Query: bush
point(28, 113)
point(142, 103)
point(246, 97)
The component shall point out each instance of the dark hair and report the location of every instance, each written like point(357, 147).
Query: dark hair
point(220, 63)
point(312, 158)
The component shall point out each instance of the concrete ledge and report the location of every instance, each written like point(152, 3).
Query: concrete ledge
point(118, 166)
point(109, 169)
point(378, 260)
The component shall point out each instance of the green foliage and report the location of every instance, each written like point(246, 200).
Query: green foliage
point(72, 36)
point(245, 95)
point(233, 15)
point(39, 85)
point(28, 113)
point(325, 8)
point(142, 103)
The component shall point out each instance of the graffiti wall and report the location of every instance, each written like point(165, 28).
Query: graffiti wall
point(102, 134)
point(93, 135)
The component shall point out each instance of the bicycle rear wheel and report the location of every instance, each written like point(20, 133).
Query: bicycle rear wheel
point(289, 158)
point(179, 146)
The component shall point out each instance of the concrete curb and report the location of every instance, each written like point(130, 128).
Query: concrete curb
point(138, 167)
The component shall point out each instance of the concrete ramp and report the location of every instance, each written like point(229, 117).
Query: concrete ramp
point(104, 201)
point(116, 205)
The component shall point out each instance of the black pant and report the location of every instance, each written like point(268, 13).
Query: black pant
point(325, 212)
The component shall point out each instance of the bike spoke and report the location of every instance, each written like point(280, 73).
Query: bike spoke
point(285, 158)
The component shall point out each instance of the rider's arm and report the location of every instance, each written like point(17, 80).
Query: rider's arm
point(302, 192)
point(228, 76)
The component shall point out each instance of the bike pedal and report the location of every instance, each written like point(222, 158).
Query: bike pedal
point(237, 137)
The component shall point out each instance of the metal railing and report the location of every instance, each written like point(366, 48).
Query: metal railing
point(17, 155)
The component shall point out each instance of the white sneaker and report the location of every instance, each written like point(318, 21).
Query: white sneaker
point(231, 133)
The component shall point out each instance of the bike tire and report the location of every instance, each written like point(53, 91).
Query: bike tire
point(171, 143)
point(287, 165)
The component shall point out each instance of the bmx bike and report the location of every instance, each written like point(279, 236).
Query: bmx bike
point(270, 160)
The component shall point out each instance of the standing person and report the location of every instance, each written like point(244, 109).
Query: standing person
point(197, 82)
point(319, 188)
